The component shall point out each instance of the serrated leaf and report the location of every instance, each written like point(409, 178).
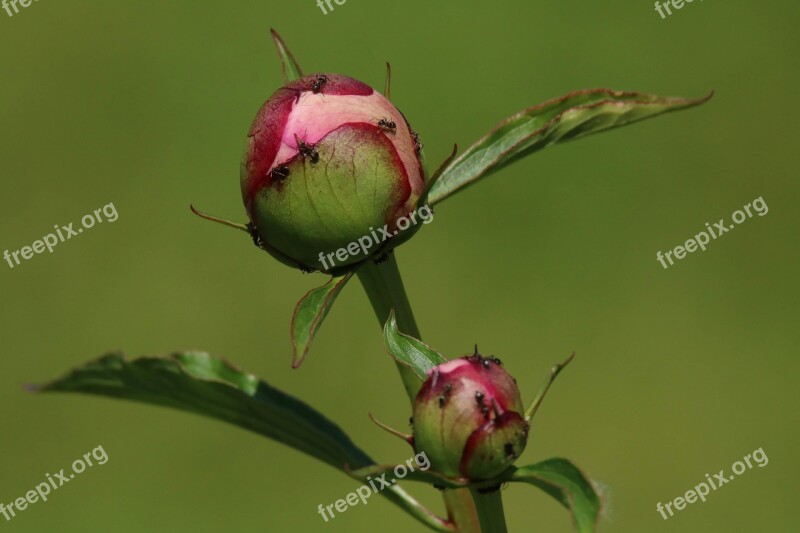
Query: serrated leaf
point(199, 383)
point(409, 351)
point(566, 483)
point(309, 313)
point(291, 69)
point(572, 116)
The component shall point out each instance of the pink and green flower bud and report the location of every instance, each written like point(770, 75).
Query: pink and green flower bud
point(469, 418)
point(329, 161)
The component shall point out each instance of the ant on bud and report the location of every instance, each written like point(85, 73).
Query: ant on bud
point(319, 83)
point(479, 398)
point(508, 448)
point(306, 150)
point(417, 143)
point(280, 173)
point(382, 257)
point(253, 231)
point(388, 124)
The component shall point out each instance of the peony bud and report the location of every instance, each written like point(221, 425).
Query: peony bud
point(469, 419)
point(329, 161)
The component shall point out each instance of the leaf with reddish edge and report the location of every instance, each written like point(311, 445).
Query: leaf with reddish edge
point(569, 117)
point(291, 69)
point(566, 483)
point(409, 351)
point(199, 383)
point(311, 310)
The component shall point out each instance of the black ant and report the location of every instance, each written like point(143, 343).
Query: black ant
point(257, 240)
point(280, 173)
point(307, 150)
point(508, 448)
point(388, 124)
point(382, 257)
point(319, 83)
point(417, 143)
point(479, 398)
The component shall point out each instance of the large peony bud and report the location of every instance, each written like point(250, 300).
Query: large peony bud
point(469, 419)
point(328, 162)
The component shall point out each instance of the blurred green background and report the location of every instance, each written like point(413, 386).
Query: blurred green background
point(679, 372)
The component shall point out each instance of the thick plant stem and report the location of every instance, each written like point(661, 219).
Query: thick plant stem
point(461, 510)
point(490, 510)
point(384, 287)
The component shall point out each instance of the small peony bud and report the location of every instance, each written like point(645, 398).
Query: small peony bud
point(469, 418)
point(328, 162)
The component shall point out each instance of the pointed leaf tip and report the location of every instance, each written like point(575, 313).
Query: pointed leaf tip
point(244, 227)
point(551, 377)
point(408, 350)
point(569, 117)
point(310, 312)
point(388, 85)
point(406, 437)
point(291, 69)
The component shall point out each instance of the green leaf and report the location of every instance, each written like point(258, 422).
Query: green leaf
point(570, 117)
point(566, 483)
point(291, 70)
point(309, 313)
point(409, 351)
point(199, 383)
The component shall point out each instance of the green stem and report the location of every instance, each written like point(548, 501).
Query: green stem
point(384, 286)
point(461, 510)
point(385, 290)
point(490, 510)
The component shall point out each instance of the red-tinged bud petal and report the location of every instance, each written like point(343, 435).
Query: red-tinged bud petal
point(328, 162)
point(469, 418)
